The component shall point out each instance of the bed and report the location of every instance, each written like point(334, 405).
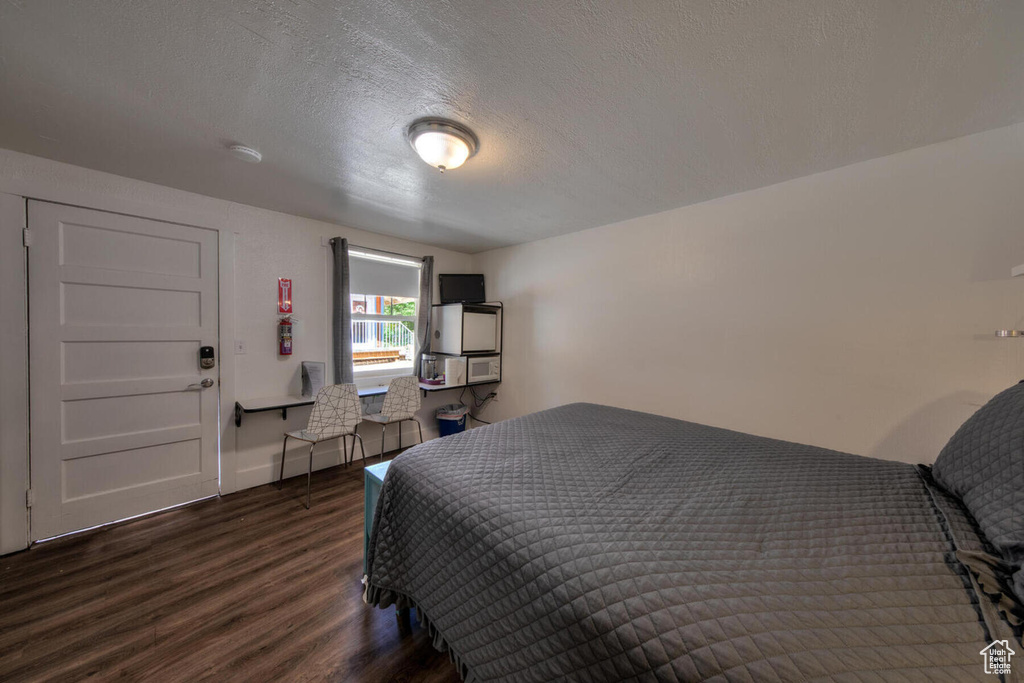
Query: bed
point(590, 543)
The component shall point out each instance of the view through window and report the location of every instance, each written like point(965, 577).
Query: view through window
point(383, 333)
point(383, 306)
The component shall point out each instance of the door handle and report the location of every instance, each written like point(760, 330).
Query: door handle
point(205, 384)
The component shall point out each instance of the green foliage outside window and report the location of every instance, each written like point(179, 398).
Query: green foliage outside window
point(404, 308)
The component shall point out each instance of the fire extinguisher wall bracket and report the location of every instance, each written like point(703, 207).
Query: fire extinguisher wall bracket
point(284, 336)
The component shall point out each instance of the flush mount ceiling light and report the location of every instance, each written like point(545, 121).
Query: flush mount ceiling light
point(441, 143)
point(245, 154)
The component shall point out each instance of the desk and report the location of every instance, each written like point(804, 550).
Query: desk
point(283, 403)
point(373, 476)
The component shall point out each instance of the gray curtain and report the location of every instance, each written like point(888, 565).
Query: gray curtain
point(423, 313)
point(341, 322)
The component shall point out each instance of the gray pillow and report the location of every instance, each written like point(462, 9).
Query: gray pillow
point(983, 464)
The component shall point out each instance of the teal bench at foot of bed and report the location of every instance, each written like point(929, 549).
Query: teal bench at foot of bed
point(373, 477)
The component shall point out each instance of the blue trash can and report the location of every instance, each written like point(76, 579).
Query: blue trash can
point(451, 419)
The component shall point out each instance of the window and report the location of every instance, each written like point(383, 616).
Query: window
point(384, 300)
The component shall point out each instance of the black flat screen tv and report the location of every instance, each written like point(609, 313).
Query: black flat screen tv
point(457, 288)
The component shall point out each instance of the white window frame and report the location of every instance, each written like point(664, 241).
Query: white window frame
point(369, 376)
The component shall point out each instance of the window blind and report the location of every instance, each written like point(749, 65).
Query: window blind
point(383, 278)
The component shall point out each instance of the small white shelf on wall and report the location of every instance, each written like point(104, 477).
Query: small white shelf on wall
point(1017, 270)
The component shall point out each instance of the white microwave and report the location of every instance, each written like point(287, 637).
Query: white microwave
point(483, 369)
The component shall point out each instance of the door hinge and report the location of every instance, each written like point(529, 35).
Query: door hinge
point(26, 237)
point(30, 498)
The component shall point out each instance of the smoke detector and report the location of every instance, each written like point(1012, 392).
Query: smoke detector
point(245, 154)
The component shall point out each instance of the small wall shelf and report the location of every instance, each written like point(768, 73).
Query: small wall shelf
point(1017, 270)
point(259, 405)
point(425, 388)
point(474, 333)
point(283, 403)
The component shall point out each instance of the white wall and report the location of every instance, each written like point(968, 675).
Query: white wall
point(852, 309)
point(269, 245)
point(258, 246)
point(13, 377)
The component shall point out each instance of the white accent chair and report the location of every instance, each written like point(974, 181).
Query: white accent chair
point(336, 414)
point(400, 404)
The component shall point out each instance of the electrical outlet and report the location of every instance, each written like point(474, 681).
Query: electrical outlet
point(240, 347)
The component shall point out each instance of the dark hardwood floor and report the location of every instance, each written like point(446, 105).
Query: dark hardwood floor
point(249, 587)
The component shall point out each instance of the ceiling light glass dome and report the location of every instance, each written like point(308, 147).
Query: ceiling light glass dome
point(441, 143)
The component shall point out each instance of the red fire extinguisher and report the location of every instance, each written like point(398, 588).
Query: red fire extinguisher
point(284, 336)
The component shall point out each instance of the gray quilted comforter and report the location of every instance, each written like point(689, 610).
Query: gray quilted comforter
point(589, 543)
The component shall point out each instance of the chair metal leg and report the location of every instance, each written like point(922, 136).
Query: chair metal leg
point(362, 449)
point(284, 447)
point(344, 448)
point(383, 431)
point(309, 473)
point(419, 428)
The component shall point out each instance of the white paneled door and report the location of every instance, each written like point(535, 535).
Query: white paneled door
point(124, 420)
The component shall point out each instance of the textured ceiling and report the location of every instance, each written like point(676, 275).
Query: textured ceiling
point(587, 112)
